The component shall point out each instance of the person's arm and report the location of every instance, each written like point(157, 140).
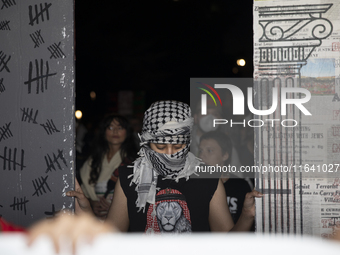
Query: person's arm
point(219, 215)
point(247, 216)
point(82, 203)
point(118, 213)
point(336, 237)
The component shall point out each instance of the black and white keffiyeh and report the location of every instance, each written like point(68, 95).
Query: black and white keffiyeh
point(165, 122)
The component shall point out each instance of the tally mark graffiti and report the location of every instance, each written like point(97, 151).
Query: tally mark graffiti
point(10, 160)
point(56, 51)
point(5, 132)
point(7, 3)
point(40, 79)
point(2, 86)
point(19, 204)
point(49, 127)
point(38, 13)
point(4, 62)
point(51, 163)
point(39, 185)
point(4, 25)
point(52, 213)
point(27, 115)
point(37, 38)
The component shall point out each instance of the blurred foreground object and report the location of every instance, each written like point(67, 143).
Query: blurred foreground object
point(8, 227)
point(183, 244)
point(70, 227)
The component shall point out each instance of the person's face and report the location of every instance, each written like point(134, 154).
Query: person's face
point(211, 153)
point(115, 133)
point(166, 148)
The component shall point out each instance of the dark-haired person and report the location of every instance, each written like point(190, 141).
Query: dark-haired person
point(113, 147)
point(216, 149)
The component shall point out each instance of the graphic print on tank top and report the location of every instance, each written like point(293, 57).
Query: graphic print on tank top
point(170, 213)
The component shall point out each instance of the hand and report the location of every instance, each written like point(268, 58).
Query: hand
point(70, 227)
point(246, 220)
point(249, 203)
point(104, 203)
point(99, 210)
point(82, 203)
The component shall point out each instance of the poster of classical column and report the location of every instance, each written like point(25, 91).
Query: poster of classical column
point(297, 45)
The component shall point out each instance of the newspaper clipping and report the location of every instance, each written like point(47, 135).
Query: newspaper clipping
point(297, 45)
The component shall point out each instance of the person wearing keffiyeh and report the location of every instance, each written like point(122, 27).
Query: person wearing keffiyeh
point(164, 160)
point(164, 156)
point(165, 125)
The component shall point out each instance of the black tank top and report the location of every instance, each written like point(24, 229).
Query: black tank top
point(180, 206)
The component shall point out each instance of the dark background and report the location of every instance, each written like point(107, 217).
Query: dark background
point(156, 46)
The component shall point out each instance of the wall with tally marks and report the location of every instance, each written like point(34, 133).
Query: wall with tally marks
point(36, 108)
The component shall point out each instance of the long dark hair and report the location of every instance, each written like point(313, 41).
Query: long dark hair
point(100, 146)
